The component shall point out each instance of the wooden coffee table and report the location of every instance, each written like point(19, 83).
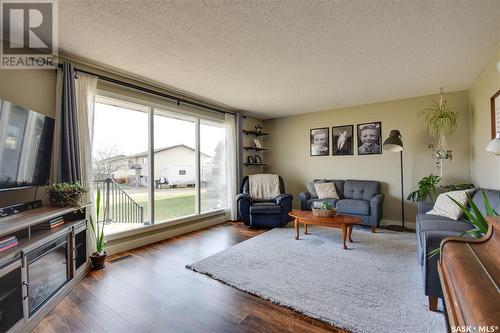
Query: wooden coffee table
point(345, 222)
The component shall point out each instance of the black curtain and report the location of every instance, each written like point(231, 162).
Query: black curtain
point(68, 166)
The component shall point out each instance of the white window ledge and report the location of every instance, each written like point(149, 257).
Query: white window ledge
point(162, 225)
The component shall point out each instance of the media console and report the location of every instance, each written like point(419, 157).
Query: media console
point(37, 273)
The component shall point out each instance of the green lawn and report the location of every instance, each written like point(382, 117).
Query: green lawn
point(170, 206)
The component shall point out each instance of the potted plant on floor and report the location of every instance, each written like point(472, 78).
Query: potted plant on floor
point(99, 256)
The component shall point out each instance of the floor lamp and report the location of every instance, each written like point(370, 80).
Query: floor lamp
point(394, 144)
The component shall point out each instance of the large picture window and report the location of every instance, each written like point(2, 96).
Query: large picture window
point(154, 165)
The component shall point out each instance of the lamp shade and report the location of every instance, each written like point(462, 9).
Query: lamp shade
point(494, 145)
point(393, 143)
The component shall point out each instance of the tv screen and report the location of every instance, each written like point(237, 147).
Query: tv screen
point(25, 146)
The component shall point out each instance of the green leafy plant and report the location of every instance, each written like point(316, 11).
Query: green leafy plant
point(323, 205)
point(458, 187)
point(426, 188)
point(475, 217)
point(98, 227)
point(439, 119)
point(67, 194)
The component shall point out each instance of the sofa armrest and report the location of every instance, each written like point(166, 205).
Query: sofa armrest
point(244, 196)
point(285, 202)
point(279, 199)
point(304, 196)
point(243, 202)
point(431, 240)
point(424, 206)
point(376, 209)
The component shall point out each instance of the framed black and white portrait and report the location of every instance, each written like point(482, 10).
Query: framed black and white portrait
point(369, 138)
point(320, 141)
point(342, 140)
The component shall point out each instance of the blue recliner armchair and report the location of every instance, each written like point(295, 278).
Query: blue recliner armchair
point(264, 214)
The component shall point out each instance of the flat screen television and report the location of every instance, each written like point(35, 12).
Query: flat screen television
point(25, 146)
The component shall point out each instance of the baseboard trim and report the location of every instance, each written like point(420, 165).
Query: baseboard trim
point(141, 239)
point(408, 224)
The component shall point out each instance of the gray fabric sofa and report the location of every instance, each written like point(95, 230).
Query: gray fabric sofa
point(432, 229)
point(361, 198)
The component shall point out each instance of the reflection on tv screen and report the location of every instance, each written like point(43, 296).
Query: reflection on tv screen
point(25, 146)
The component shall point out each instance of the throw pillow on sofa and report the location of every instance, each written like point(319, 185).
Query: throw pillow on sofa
point(444, 206)
point(326, 190)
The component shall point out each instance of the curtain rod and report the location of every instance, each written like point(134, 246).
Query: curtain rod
point(152, 92)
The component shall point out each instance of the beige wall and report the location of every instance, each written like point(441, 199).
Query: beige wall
point(33, 89)
point(289, 144)
point(485, 167)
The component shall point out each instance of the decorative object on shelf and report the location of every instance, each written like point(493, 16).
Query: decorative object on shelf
point(323, 209)
point(99, 256)
point(495, 114)
point(440, 121)
point(258, 129)
point(394, 144)
point(252, 132)
point(369, 138)
point(250, 159)
point(8, 243)
point(494, 145)
point(257, 159)
point(67, 194)
point(342, 140)
point(257, 143)
point(319, 141)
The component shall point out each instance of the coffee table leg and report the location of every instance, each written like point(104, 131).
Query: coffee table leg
point(344, 234)
point(305, 228)
point(296, 228)
point(350, 233)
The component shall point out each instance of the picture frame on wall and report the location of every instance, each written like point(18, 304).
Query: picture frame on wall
point(343, 140)
point(319, 141)
point(369, 138)
point(495, 114)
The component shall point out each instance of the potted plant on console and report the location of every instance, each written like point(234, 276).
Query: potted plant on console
point(99, 256)
point(67, 194)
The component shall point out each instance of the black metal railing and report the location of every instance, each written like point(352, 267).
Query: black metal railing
point(117, 205)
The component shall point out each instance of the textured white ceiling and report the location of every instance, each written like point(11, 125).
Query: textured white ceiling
point(288, 57)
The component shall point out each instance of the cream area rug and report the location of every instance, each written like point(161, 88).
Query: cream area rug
point(375, 286)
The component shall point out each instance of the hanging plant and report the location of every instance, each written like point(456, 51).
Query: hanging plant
point(439, 119)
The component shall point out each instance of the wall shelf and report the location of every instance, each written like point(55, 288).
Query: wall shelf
point(254, 164)
point(257, 134)
point(255, 148)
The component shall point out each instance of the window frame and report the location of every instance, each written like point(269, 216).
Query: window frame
point(104, 96)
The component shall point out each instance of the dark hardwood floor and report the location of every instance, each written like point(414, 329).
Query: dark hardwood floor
point(152, 291)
